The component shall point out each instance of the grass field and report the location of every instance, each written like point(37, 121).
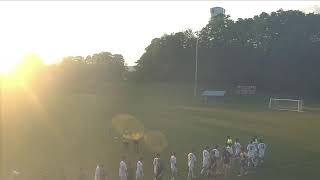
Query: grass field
point(47, 132)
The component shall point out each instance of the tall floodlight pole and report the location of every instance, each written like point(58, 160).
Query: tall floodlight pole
point(196, 70)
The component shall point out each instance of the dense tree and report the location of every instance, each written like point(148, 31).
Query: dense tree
point(81, 74)
point(169, 58)
point(278, 52)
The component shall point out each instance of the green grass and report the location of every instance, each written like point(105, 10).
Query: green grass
point(44, 132)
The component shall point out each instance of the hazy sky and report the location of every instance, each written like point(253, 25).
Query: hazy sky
point(57, 29)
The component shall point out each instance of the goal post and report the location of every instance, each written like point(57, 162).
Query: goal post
point(286, 104)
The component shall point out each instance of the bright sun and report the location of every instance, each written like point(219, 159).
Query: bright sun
point(19, 63)
point(8, 64)
point(18, 71)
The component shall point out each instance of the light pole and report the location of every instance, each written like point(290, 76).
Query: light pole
point(196, 70)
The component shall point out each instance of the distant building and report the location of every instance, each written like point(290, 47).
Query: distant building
point(216, 11)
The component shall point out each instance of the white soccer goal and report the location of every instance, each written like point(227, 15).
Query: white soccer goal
point(286, 104)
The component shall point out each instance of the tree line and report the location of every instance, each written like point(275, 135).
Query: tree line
point(277, 52)
point(76, 73)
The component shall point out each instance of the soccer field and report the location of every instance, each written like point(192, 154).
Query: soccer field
point(46, 134)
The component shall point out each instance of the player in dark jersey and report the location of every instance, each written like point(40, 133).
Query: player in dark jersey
point(226, 158)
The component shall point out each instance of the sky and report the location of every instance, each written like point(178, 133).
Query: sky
point(56, 29)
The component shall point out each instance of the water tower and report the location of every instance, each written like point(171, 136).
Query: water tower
point(216, 11)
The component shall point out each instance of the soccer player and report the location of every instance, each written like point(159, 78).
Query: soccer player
point(243, 162)
point(255, 141)
point(205, 160)
point(157, 167)
point(212, 168)
point(215, 152)
point(229, 141)
point(99, 174)
point(173, 165)
point(123, 169)
point(261, 150)
point(103, 172)
point(252, 151)
point(229, 149)
point(226, 156)
point(139, 171)
point(191, 165)
point(236, 155)
point(237, 147)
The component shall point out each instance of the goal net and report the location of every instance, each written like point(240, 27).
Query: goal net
point(286, 104)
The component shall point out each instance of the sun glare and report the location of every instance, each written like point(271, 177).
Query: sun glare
point(12, 64)
point(18, 72)
point(8, 64)
point(10, 61)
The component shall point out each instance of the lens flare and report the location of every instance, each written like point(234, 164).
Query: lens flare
point(155, 141)
point(128, 126)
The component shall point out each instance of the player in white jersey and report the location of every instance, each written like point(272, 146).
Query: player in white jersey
point(155, 164)
point(261, 150)
point(252, 151)
point(216, 153)
point(236, 153)
point(99, 174)
point(191, 165)
point(139, 171)
point(123, 169)
point(229, 149)
point(157, 167)
point(173, 166)
point(205, 160)
point(237, 147)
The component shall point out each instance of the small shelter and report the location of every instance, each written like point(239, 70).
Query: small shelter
point(213, 95)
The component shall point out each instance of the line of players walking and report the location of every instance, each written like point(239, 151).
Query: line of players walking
point(233, 155)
